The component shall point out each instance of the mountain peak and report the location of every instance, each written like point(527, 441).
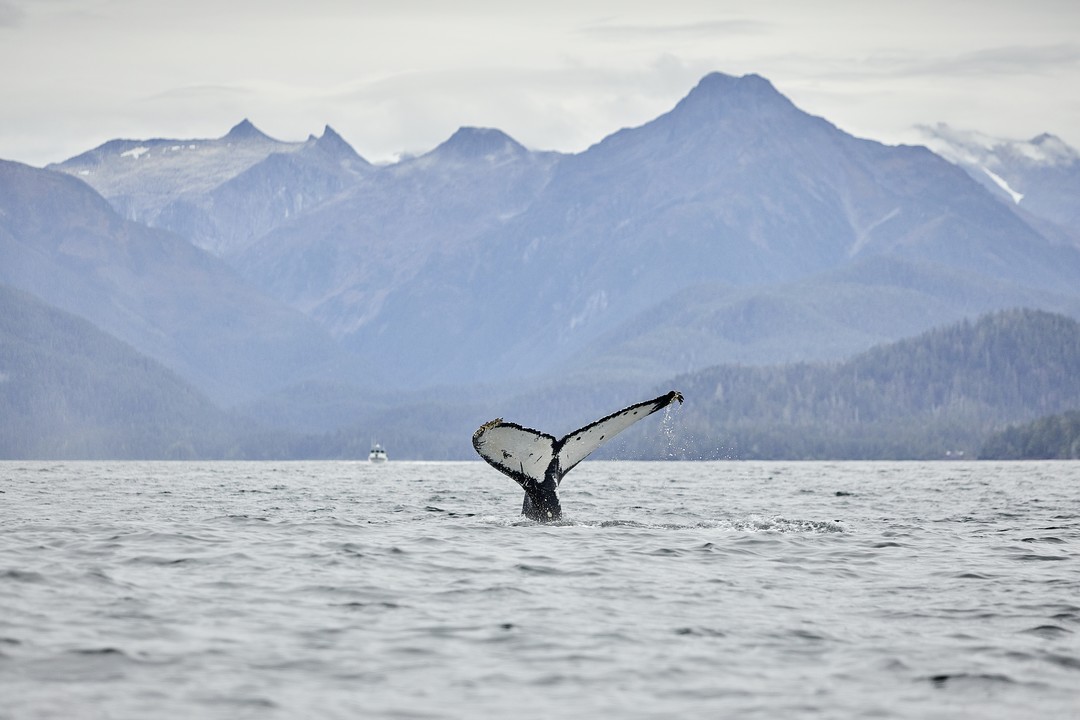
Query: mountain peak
point(717, 94)
point(470, 143)
point(332, 143)
point(716, 83)
point(1054, 150)
point(245, 130)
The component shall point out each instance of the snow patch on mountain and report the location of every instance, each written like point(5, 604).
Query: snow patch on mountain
point(136, 152)
point(1043, 172)
point(1000, 182)
point(165, 169)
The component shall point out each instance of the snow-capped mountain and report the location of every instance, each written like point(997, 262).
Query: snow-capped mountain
point(219, 193)
point(1040, 175)
point(140, 171)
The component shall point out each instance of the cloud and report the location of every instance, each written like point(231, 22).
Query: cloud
point(188, 93)
point(11, 15)
point(986, 62)
point(1012, 60)
point(566, 107)
point(865, 74)
point(674, 31)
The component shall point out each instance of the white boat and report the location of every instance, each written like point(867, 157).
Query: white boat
point(377, 454)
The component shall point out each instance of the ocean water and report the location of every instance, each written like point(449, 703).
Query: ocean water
point(415, 590)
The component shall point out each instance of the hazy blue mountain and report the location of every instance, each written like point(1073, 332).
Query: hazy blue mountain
point(734, 228)
point(219, 193)
point(69, 390)
point(829, 316)
point(467, 265)
point(403, 231)
point(62, 242)
point(737, 185)
point(1040, 176)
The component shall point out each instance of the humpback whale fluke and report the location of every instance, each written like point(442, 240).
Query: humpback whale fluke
point(537, 461)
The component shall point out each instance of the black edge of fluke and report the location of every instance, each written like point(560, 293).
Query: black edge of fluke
point(538, 461)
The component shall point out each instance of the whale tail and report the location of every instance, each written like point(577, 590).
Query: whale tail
point(538, 461)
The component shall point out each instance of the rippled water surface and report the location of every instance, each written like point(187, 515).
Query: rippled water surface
point(343, 590)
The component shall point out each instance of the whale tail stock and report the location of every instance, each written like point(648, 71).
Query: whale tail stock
point(538, 461)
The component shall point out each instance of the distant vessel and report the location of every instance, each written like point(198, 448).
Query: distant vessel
point(377, 454)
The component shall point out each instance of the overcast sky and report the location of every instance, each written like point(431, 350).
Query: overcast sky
point(401, 75)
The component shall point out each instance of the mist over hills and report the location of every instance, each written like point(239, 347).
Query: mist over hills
point(1040, 176)
point(70, 391)
point(63, 243)
point(307, 286)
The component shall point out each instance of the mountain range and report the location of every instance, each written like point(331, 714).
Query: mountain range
point(303, 285)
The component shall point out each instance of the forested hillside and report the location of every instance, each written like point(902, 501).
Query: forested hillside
point(68, 390)
point(1056, 437)
point(934, 396)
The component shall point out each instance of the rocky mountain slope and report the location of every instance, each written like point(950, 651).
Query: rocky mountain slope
point(219, 193)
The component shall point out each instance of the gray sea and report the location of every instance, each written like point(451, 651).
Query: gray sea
point(415, 590)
